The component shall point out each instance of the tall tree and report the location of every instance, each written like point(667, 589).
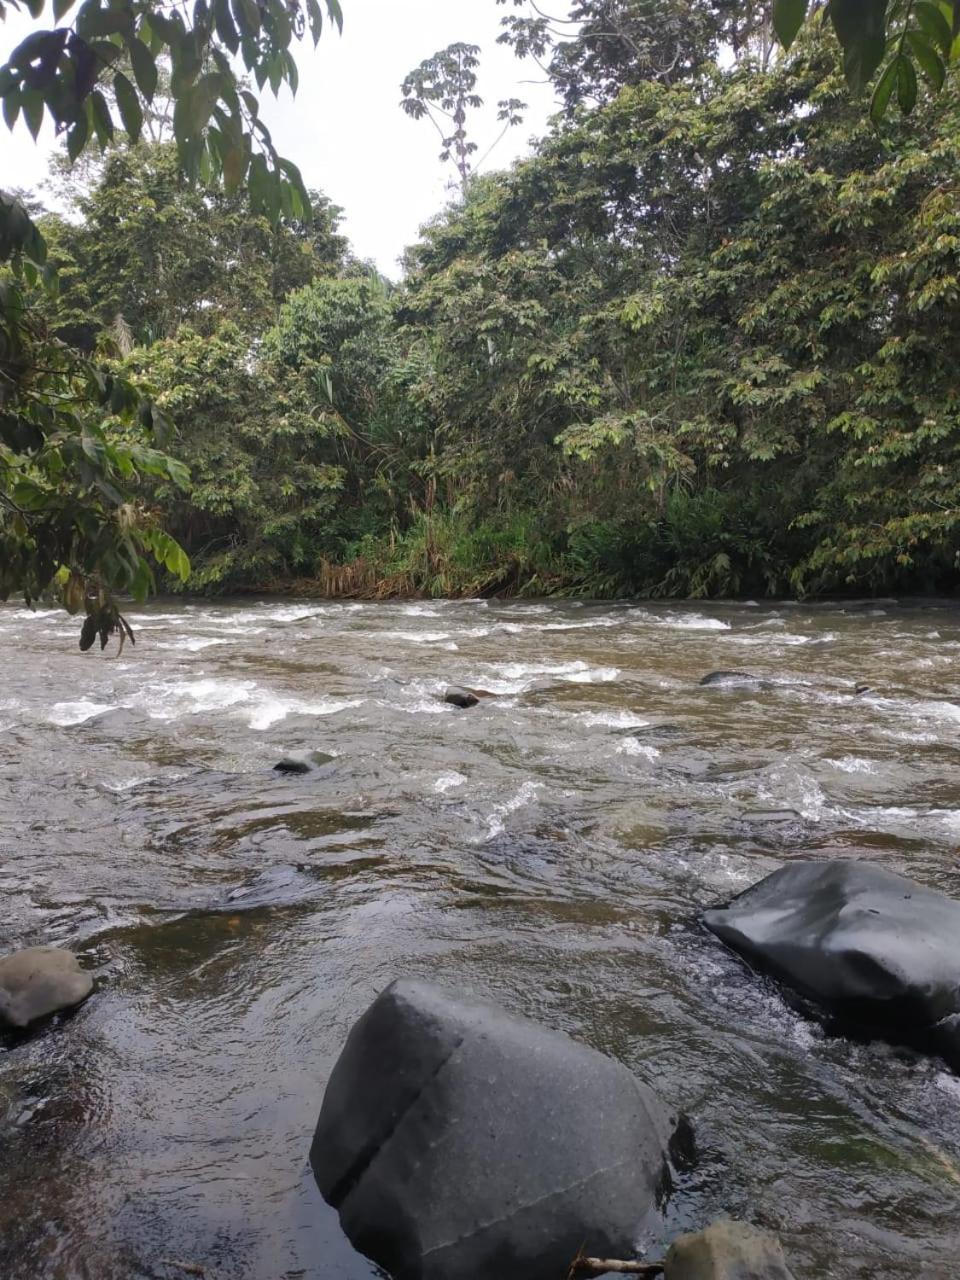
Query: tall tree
point(442, 89)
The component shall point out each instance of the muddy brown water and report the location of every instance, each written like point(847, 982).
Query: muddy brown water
point(549, 849)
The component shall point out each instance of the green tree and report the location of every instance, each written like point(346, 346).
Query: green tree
point(67, 509)
point(442, 89)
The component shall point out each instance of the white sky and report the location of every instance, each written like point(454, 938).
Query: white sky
point(345, 128)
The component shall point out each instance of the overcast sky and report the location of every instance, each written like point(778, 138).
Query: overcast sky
point(345, 128)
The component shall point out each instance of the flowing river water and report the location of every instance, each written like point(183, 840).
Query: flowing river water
point(549, 849)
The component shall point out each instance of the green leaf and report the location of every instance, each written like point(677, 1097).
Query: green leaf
point(77, 136)
point(100, 119)
point(906, 86)
point(179, 473)
point(883, 90)
point(928, 59)
point(247, 15)
point(60, 7)
point(788, 16)
point(932, 21)
point(234, 165)
point(861, 27)
point(92, 21)
point(144, 67)
point(11, 107)
point(225, 26)
point(31, 104)
point(128, 104)
point(142, 582)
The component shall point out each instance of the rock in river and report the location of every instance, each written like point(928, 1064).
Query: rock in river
point(735, 680)
point(877, 951)
point(726, 1250)
point(460, 697)
point(289, 765)
point(460, 1143)
point(39, 981)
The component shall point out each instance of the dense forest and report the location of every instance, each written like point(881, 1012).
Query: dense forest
point(703, 342)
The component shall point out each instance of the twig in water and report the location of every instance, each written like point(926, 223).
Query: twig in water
point(583, 1266)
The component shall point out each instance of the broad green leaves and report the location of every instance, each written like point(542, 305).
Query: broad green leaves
point(897, 38)
point(788, 16)
point(61, 73)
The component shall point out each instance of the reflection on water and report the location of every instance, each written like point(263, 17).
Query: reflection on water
point(548, 848)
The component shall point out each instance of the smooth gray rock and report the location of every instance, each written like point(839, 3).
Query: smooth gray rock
point(726, 1250)
point(460, 697)
point(876, 950)
point(289, 765)
point(460, 1143)
point(39, 981)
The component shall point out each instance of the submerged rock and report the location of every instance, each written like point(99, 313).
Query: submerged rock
point(39, 981)
point(458, 1142)
point(726, 1250)
point(874, 949)
point(460, 697)
point(735, 680)
point(290, 765)
point(771, 815)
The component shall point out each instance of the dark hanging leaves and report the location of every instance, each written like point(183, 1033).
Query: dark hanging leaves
point(788, 16)
point(131, 113)
point(144, 68)
point(862, 31)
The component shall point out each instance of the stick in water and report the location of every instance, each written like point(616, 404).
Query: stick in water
point(603, 1266)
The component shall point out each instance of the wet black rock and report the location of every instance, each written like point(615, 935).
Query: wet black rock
point(860, 689)
point(875, 950)
point(726, 1250)
point(39, 981)
point(458, 1142)
point(734, 680)
point(290, 765)
point(460, 697)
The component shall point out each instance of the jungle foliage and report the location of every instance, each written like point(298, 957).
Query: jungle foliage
point(703, 342)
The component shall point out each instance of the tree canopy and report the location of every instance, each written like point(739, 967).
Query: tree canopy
point(702, 341)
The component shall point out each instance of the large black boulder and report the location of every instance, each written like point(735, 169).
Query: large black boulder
point(460, 1143)
point(877, 951)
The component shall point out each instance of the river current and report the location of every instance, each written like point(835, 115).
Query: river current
point(549, 849)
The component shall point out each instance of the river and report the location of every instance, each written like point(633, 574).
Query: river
point(549, 849)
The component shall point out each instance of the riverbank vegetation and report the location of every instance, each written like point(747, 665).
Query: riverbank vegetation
point(702, 343)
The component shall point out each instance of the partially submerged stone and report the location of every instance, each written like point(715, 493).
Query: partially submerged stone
point(290, 765)
point(726, 1250)
point(460, 697)
point(874, 949)
point(458, 1142)
point(39, 981)
point(734, 680)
